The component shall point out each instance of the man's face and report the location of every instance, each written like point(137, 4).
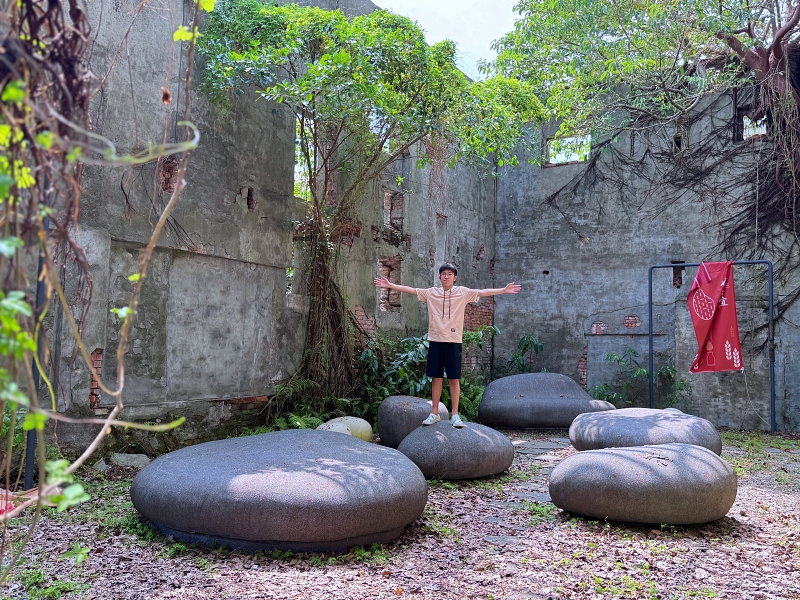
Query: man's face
point(448, 278)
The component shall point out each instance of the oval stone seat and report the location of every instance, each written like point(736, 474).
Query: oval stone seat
point(642, 427)
point(675, 484)
point(400, 415)
point(536, 400)
point(442, 451)
point(298, 490)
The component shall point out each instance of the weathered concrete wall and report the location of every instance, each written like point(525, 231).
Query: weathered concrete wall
point(585, 300)
point(446, 215)
point(215, 328)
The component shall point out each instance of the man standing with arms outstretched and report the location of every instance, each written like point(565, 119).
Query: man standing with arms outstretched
point(446, 306)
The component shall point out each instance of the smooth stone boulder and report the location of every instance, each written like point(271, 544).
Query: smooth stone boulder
point(359, 428)
point(674, 484)
point(642, 427)
point(134, 461)
point(300, 490)
point(442, 451)
point(536, 400)
point(400, 415)
point(335, 427)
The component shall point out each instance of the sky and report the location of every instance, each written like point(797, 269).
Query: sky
point(472, 24)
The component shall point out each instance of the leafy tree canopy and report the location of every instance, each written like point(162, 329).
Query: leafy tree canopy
point(363, 89)
point(597, 62)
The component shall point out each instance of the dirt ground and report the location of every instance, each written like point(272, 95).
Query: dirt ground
point(491, 538)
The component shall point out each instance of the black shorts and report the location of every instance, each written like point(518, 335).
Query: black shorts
point(444, 357)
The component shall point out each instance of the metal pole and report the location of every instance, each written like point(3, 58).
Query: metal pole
point(650, 361)
point(41, 295)
point(771, 342)
point(771, 330)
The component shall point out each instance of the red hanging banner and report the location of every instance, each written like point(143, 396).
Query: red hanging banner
point(712, 304)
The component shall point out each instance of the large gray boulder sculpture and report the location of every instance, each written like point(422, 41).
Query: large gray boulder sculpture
point(642, 427)
point(400, 415)
point(298, 490)
point(674, 484)
point(536, 400)
point(442, 451)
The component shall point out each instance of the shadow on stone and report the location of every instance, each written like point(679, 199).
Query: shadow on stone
point(442, 451)
point(536, 400)
point(642, 427)
point(299, 490)
point(674, 484)
point(400, 415)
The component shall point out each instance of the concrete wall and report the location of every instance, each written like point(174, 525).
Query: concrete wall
point(587, 299)
point(446, 215)
point(215, 328)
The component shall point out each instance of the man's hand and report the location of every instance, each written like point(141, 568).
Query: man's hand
point(382, 282)
point(512, 288)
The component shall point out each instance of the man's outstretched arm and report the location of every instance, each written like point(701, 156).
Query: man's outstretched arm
point(382, 282)
point(511, 288)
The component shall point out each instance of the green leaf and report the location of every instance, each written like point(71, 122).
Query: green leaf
point(14, 92)
point(123, 313)
point(9, 245)
point(78, 554)
point(6, 181)
point(34, 420)
point(207, 5)
point(134, 278)
point(45, 139)
point(72, 495)
point(57, 472)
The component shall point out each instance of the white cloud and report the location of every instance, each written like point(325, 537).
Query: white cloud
point(472, 24)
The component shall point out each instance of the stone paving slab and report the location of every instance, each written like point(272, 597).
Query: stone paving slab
point(503, 540)
point(542, 497)
point(548, 458)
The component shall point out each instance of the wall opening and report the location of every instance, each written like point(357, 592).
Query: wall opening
point(393, 206)
point(251, 201)
point(389, 267)
point(568, 150)
point(677, 273)
point(94, 385)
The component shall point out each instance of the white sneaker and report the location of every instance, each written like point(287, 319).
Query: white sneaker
point(457, 422)
point(432, 418)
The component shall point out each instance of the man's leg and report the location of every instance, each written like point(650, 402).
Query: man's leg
point(455, 392)
point(436, 393)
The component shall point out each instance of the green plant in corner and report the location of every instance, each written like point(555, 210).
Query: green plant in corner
point(527, 343)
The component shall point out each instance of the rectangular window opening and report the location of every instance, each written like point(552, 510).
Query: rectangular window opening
point(569, 150)
point(677, 272)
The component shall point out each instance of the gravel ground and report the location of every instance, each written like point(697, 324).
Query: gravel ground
point(493, 538)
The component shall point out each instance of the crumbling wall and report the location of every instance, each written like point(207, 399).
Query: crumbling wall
point(588, 298)
point(215, 327)
point(407, 231)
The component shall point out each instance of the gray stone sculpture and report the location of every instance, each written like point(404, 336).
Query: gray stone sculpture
point(299, 490)
point(674, 484)
point(536, 400)
point(443, 452)
point(400, 415)
point(641, 427)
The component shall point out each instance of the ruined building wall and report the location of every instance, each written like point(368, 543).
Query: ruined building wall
point(215, 328)
point(587, 299)
point(407, 231)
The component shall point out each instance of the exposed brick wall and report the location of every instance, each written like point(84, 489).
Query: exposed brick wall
point(632, 321)
point(389, 267)
point(479, 314)
point(598, 327)
point(393, 205)
point(365, 326)
point(582, 367)
point(344, 232)
point(475, 359)
point(94, 386)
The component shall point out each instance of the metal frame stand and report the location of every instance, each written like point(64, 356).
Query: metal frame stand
point(771, 340)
